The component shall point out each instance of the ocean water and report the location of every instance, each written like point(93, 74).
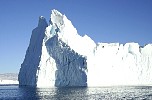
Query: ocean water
point(76, 93)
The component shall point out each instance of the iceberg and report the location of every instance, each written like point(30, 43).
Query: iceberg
point(8, 79)
point(58, 56)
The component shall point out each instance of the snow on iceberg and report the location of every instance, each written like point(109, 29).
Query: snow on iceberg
point(58, 56)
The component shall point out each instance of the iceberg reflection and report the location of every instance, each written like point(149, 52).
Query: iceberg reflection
point(85, 93)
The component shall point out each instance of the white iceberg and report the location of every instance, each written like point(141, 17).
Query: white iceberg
point(58, 56)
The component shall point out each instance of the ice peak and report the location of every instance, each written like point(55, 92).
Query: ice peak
point(42, 22)
point(56, 18)
point(55, 12)
point(41, 17)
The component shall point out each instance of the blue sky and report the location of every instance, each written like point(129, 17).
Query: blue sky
point(103, 20)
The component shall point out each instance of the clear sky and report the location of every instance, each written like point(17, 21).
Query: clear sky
point(103, 20)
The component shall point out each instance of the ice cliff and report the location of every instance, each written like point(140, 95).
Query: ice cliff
point(58, 56)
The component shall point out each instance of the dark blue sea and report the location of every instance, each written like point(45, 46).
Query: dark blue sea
point(14, 92)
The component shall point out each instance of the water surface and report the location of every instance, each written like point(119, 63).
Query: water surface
point(76, 93)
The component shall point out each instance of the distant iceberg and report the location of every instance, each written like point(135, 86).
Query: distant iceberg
point(8, 82)
point(8, 79)
point(58, 56)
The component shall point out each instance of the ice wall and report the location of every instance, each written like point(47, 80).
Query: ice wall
point(27, 73)
point(70, 65)
point(58, 56)
point(118, 64)
point(60, 66)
